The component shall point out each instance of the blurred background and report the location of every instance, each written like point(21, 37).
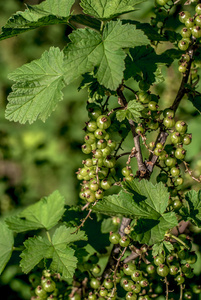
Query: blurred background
point(37, 159)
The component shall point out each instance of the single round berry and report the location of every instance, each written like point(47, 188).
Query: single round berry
point(136, 275)
point(183, 45)
point(106, 184)
point(180, 279)
point(94, 283)
point(129, 268)
point(181, 126)
point(176, 137)
point(108, 284)
point(131, 296)
point(198, 9)
point(162, 270)
point(183, 16)
point(114, 238)
point(159, 260)
point(180, 153)
point(169, 122)
point(124, 241)
point(103, 122)
point(196, 31)
point(144, 97)
point(175, 171)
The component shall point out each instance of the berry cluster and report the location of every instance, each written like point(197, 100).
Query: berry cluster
point(98, 171)
point(191, 35)
point(147, 276)
point(45, 287)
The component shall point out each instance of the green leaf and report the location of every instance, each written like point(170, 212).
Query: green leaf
point(108, 9)
point(149, 30)
point(145, 60)
point(88, 49)
point(143, 201)
point(38, 88)
point(132, 111)
point(192, 210)
point(67, 235)
point(86, 21)
point(63, 258)
point(44, 214)
point(36, 249)
point(164, 247)
point(152, 231)
point(196, 101)
point(6, 245)
point(48, 12)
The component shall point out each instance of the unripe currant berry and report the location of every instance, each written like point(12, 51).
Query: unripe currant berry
point(183, 45)
point(176, 137)
point(129, 268)
point(180, 153)
point(198, 20)
point(124, 241)
point(94, 283)
point(162, 270)
point(198, 9)
point(183, 16)
point(144, 97)
point(182, 68)
point(186, 32)
point(103, 122)
point(169, 122)
point(161, 2)
point(114, 238)
point(181, 126)
point(196, 32)
point(189, 23)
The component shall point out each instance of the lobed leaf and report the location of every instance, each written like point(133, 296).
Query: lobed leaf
point(192, 211)
point(44, 214)
point(48, 12)
point(145, 202)
point(108, 9)
point(38, 88)
point(63, 257)
point(89, 49)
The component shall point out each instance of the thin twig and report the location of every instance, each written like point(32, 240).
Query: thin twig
point(190, 172)
point(167, 288)
point(115, 270)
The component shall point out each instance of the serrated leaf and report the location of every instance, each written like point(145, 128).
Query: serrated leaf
point(145, 60)
point(192, 211)
point(44, 214)
point(38, 88)
point(152, 231)
point(48, 12)
point(6, 245)
point(36, 249)
point(63, 258)
point(149, 30)
point(196, 101)
point(88, 49)
point(86, 21)
point(108, 9)
point(164, 247)
point(131, 112)
point(67, 235)
point(143, 201)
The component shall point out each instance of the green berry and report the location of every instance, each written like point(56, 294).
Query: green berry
point(114, 238)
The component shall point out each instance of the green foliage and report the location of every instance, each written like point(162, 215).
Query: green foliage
point(46, 13)
point(89, 49)
point(138, 200)
point(6, 245)
point(108, 9)
point(46, 213)
point(132, 111)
